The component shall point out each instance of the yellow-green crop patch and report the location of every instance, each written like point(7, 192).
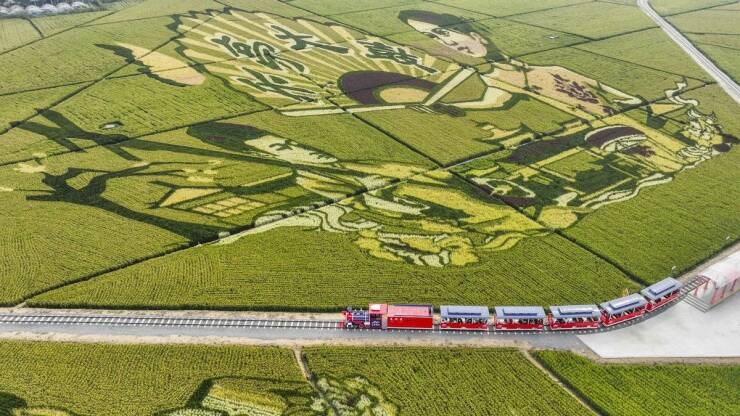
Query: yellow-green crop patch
point(330, 7)
point(135, 380)
point(76, 55)
point(50, 25)
point(390, 20)
point(707, 21)
point(648, 389)
point(437, 382)
point(171, 189)
point(650, 48)
point(589, 182)
point(444, 239)
point(669, 7)
point(509, 7)
point(499, 38)
point(16, 32)
point(159, 8)
point(15, 108)
point(650, 84)
point(593, 20)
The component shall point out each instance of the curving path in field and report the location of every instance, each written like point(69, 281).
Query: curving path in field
point(724, 81)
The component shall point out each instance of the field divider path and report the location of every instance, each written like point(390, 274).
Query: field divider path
point(724, 80)
point(561, 383)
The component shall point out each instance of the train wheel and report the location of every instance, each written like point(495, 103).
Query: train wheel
point(349, 325)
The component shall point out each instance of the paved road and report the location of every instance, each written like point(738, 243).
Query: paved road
point(724, 81)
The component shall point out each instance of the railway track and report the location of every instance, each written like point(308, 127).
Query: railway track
point(52, 320)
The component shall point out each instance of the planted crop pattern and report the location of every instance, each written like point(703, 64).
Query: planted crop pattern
point(644, 389)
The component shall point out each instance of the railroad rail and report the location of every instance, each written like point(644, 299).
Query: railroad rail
point(50, 319)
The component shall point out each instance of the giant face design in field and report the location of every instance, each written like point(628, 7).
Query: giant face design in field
point(437, 27)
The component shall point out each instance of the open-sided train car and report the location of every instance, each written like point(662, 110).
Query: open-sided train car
point(520, 318)
point(661, 293)
point(573, 317)
point(467, 318)
point(622, 309)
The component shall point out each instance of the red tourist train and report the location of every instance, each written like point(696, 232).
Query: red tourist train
point(515, 318)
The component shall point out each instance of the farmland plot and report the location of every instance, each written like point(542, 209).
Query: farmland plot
point(669, 7)
point(171, 189)
point(650, 48)
point(16, 32)
point(136, 380)
point(159, 8)
point(594, 20)
point(17, 107)
point(50, 25)
point(77, 54)
point(446, 241)
point(503, 38)
point(417, 381)
point(689, 219)
point(618, 168)
point(330, 7)
point(638, 80)
point(500, 8)
point(640, 389)
point(390, 20)
point(707, 21)
point(725, 57)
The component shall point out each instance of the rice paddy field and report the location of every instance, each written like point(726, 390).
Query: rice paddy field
point(307, 155)
point(302, 156)
point(632, 389)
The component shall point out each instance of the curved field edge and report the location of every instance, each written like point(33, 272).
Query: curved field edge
point(668, 230)
point(648, 389)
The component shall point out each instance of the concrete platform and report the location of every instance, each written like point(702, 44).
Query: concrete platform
point(682, 331)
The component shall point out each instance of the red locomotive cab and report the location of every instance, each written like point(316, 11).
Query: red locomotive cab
point(622, 309)
point(465, 318)
point(520, 318)
point(573, 317)
point(661, 293)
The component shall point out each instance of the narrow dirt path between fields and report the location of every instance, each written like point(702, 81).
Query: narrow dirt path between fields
point(559, 382)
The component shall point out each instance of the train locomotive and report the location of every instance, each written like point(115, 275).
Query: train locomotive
point(514, 318)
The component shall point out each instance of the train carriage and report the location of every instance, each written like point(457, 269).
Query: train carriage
point(662, 293)
point(622, 309)
point(573, 317)
point(520, 318)
point(468, 318)
point(384, 316)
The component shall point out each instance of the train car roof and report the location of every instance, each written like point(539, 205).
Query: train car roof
point(460, 311)
point(520, 312)
point(574, 311)
point(622, 304)
point(662, 288)
point(410, 310)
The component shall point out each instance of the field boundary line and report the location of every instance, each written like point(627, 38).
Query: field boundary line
point(36, 28)
point(701, 9)
point(513, 14)
point(628, 274)
point(190, 245)
point(61, 31)
point(564, 384)
point(104, 77)
point(705, 81)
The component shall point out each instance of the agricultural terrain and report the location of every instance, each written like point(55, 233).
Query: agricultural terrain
point(41, 378)
point(307, 155)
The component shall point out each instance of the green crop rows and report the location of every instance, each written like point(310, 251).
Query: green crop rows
point(641, 389)
point(208, 154)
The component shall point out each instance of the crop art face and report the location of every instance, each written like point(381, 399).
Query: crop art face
point(471, 44)
point(289, 150)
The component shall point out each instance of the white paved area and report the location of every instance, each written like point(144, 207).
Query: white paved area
point(681, 331)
